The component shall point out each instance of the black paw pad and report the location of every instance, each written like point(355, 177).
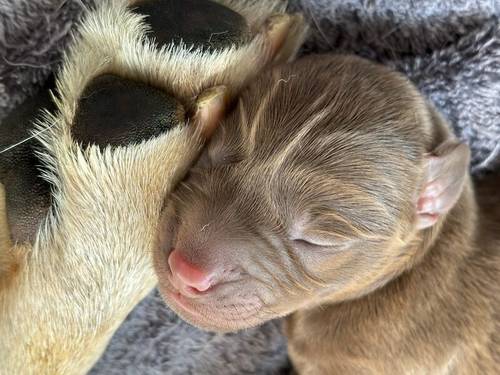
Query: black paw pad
point(201, 23)
point(27, 195)
point(116, 111)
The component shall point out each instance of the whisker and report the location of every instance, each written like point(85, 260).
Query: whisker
point(26, 139)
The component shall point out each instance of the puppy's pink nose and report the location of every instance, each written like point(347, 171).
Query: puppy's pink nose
point(189, 274)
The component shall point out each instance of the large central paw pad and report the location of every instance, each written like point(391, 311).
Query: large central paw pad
point(116, 111)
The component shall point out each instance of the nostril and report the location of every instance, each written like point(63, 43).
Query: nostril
point(192, 277)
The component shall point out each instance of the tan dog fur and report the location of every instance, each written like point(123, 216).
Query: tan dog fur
point(62, 297)
point(336, 196)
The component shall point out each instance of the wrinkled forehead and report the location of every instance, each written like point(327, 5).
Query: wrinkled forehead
point(327, 113)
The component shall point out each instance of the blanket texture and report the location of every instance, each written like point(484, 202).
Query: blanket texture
point(449, 48)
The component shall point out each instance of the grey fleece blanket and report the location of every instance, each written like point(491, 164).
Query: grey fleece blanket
point(449, 48)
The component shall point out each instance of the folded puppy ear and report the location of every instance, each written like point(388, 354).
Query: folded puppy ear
point(285, 34)
point(211, 107)
point(447, 168)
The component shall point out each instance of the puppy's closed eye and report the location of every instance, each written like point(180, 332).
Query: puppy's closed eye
point(311, 236)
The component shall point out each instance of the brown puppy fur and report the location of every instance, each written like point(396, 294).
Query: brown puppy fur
point(63, 295)
point(336, 194)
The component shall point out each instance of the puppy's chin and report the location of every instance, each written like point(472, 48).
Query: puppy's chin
point(210, 317)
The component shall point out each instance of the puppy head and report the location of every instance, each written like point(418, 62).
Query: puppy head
point(317, 188)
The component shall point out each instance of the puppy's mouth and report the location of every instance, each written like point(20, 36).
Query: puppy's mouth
point(214, 313)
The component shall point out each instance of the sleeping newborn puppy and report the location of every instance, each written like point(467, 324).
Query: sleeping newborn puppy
point(336, 196)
